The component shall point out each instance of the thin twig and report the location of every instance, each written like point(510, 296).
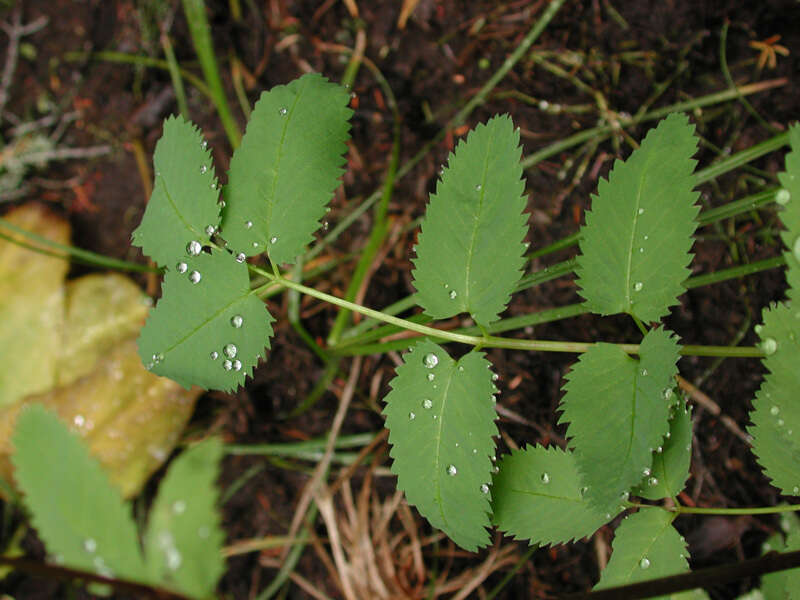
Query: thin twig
point(15, 31)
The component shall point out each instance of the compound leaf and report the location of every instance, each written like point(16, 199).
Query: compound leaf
point(79, 515)
point(440, 415)
point(646, 546)
point(637, 237)
point(284, 173)
point(470, 249)
point(183, 541)
point(537, 496)
point(776, 411)
point(617, 413)
point(210, 333)
point(183, 207)
point(670, 460)
point(789, 197)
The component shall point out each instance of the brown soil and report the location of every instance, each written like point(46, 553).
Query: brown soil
point(446, 52)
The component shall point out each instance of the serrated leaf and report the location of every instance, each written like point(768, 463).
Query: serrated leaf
point(441, 422)
point(776, 410)
point(470, 250)
point(637, 237)
point(78, 514)
point(617, 413)
point(184, 199)
point(284, 173)
point(537, 496)
point(646, 546)
point(183, 542)
point(671, 460)
point(191, 336)
point(790, 180)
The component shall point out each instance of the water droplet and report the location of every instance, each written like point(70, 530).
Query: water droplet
point(214, 355)
point(173, 559)
point(431, 376)
point(647, 237)
point(213, 185)
point(79, 420)
point(668, 435)
point(181, 267)
point(237, 320)
point(283, 111)
point(783, 196)
point(484, 488)
point(451, 470)
point(545, 478)
point(796, 249)
point(203, 169)
point(427, 403)
point(248, 224)
point(796, 490)
point(273, 239)
point(460, 368)
point(204, 144)
point(637, 287)
point(667, 393)
point(411, 416)
point(227, 365)
point(237, 365)
point(780, 422)
point(230, 350)
point(193, 248)
point(774, 410)
point(652, 481)
point(478, 187)
point(641, 249)
point(210, 230)
point(240, 257)
point(769, 346)
point(624, 496)
point(644, 372)
point(255, 244)
point(640, 211)
point(89, 545)
point(452, 294)
point(178, 507)
point(495, 469)
point(646, 471)
point(659, 450)
point(157, 357)
point(195, 277)
point(430, 360)
point(495, 376)
point(644, 563)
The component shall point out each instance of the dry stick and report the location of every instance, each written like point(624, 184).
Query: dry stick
point(322, 466)
point(15, 31)
point(712, 407)
point(325, 505)
point(301, 581)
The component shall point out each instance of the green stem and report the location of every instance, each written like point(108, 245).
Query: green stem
point(175, 76)
point(763, 510)
point(195, 11)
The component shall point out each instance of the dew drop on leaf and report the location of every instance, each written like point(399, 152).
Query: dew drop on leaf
point(478, 188)
point(230, 350)
point(193, 248)
point(174, 559)
point(796, 249)
point(411, 416)
point(179, 507)
point(545, 478)
point(426, 403)
point(195, 277)
point(637, 287)
point(181, 267)
point(644, 563)
point(204, 144)
point(652, 481)
point(452, 294)
point(237, 321)
point(451, 470)
point(431, 376)
point(89, 545)
point(248, 224)
point(273, 239)
point(214, 355)
point(210, 230)
point(203, 169)
point(495, 376)
point(646, 471)
point(667, 393)
point(240, 257)
point(227, 365)
point(283, 111)
point(430, 360)
point(641, 211)
point(644, 372)
point(484, 488)
point(769, 346)
point(782, 197)
point(79, 420)
point(774, 411)
point(237, 365)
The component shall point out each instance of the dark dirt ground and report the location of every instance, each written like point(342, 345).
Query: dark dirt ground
point(446, 52)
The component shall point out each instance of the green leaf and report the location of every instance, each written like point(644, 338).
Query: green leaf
point(286, 170)
point(637, 237)
point(617, 413)
point(183, 543)
point(470, 249)
point(671, 460)
point(440, 415)
point(791, 525)
point(191, 335)
point(78, 514)
point(790, 180)
point(776, 410)
point(773, 585)
point(537, 496)
point(646, 546)
point(183, 205)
